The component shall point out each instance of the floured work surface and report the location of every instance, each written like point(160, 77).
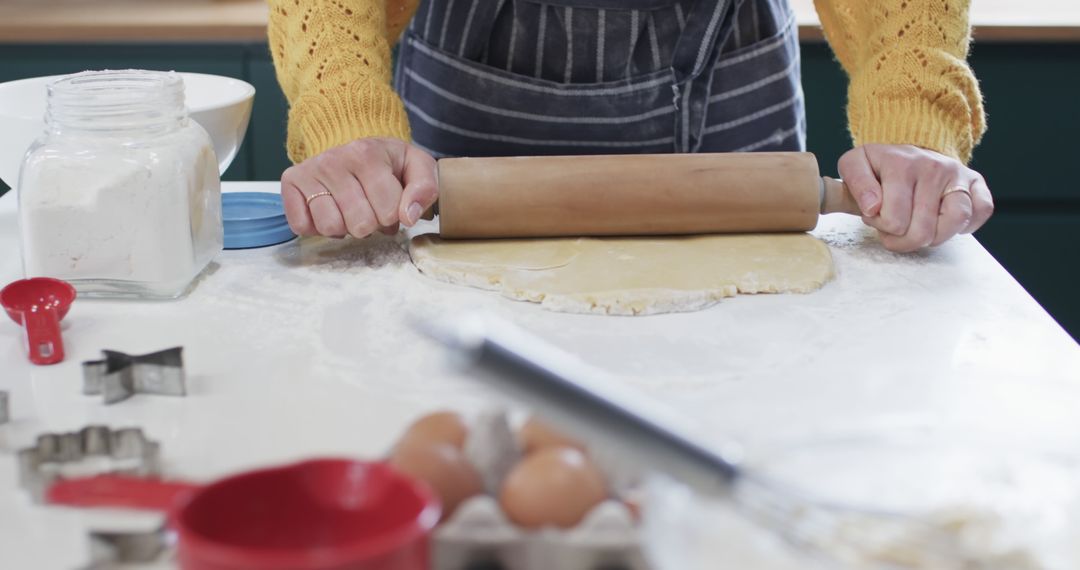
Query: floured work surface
point(629, 276)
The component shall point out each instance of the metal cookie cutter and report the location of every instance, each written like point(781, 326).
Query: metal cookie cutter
point(90, 451)
point(109, 550)
point(120, 376)
point(5, 414)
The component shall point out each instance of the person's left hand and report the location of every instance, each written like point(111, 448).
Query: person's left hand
point(915, 197)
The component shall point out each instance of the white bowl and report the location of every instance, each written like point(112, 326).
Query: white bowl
point(222, 105)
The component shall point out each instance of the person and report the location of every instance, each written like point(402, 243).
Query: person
point(526, 77)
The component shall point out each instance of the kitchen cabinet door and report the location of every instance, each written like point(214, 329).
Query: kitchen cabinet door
point(1042, 251)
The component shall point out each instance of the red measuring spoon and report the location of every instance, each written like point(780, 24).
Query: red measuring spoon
point(38, 304)
point(324, 514)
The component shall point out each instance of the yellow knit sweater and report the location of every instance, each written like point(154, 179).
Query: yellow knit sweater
point(906, 59)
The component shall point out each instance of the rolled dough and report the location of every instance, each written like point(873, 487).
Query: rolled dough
point(629, 276)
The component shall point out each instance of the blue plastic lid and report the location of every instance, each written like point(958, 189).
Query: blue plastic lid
point(254, 219)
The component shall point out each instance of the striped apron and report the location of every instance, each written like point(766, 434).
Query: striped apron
point(531, 77)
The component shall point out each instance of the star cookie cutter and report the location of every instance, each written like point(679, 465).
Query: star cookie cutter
point(5, 413)
point(120, 376)
point(93, 450)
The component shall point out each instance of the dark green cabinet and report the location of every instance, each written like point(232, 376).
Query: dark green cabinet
point(825, 88)
point(1028, 157)
point(269, 116)
point(1042, 251)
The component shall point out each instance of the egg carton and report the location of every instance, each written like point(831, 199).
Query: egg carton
point(480, 536)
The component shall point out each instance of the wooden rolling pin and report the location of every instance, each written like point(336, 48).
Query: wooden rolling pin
point(656, 194)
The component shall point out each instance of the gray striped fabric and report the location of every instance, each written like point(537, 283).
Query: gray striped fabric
point(499, 77)
point(573, 45)
point(756, 103)
point(555, 42)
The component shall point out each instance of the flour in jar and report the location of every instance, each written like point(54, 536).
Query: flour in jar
point(116, 219)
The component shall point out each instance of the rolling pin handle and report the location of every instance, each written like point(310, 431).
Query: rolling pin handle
point(430, 213)
point(837, 199)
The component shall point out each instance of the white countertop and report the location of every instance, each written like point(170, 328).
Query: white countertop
point(301, 350)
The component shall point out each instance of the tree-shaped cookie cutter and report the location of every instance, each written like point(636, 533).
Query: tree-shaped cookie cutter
point(120, 376)
point(90, 451)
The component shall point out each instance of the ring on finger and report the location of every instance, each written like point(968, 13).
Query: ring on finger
point(958, 188)
point(316, 195)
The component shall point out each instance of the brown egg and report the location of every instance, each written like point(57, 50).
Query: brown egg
point(443, 467)
point(536, 435)
point(556, 486)
point(633, 505)
point(442, 427)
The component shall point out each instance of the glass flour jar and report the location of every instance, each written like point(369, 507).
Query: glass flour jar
point(121, 195)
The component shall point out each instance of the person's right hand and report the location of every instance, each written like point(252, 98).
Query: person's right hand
point(358, 188)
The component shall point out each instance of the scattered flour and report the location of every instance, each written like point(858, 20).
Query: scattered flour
point(366, 291)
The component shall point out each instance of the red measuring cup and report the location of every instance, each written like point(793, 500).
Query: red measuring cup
point(38, 304)
point(323, 514)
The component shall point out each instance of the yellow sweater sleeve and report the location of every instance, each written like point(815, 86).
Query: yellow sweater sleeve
point(909, 78)
point(332, 59)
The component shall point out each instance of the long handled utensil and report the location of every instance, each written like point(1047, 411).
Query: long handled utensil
point(637, 431)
